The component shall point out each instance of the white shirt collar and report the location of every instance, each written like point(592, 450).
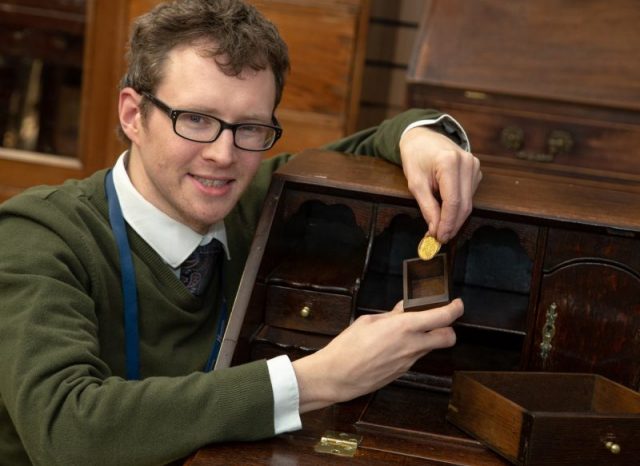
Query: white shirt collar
point(172, 240)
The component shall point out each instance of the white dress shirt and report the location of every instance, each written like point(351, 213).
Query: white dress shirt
point(449, 126)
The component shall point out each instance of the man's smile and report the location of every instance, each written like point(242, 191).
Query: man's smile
point(211, 182)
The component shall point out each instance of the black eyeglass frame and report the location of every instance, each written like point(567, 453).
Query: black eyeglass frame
point(173, 114)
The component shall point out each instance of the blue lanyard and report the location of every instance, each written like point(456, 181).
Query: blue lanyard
point(130, 293)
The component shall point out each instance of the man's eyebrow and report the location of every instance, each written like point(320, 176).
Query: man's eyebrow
point(249, 117)
point(253, 119)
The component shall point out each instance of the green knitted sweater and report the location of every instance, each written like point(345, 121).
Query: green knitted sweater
point(63, 396)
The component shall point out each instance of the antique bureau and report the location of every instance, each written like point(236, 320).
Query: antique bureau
point(548, 264)
point(550, 282)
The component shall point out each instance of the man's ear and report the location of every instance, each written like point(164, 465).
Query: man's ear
point(129, 113)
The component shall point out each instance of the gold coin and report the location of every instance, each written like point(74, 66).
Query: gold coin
point(428, 247)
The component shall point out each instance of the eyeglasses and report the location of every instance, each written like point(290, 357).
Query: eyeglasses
point(200, 127)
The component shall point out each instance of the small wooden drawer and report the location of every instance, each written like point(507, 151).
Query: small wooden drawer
point(309, 311)
point(425, 283)
point(566, 245)
point(541, 418)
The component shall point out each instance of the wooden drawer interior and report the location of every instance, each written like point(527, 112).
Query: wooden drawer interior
point(522, 415)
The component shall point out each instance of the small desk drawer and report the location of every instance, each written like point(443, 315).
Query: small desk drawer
point(563, 140)
point(561, 134)
point(310, 311)
point(547, 137)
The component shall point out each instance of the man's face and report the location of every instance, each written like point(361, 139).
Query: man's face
point(199, 183)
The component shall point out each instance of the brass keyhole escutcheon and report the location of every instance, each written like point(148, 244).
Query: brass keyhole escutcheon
point(305, 312)
point(548, 331)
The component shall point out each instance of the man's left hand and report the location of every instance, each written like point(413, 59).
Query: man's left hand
point(437, 167)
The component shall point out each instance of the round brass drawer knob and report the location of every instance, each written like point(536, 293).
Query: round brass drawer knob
point(305, 312)
point(613, 447)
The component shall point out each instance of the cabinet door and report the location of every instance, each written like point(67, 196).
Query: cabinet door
point(589, 321)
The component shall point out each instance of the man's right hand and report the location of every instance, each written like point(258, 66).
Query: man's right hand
point(372, 352)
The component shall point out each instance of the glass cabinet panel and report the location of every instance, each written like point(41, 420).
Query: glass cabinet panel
point(41, 61)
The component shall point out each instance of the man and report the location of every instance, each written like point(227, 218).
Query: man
point(197, 106)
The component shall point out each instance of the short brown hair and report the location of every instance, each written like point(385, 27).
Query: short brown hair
point(232, 29)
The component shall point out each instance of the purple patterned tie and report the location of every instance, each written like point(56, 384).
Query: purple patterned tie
point(197, 269)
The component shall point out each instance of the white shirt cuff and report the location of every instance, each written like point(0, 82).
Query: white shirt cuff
point(449, 126)
point(286, 396)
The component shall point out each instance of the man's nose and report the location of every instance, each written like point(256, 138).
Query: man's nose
point(221, 150)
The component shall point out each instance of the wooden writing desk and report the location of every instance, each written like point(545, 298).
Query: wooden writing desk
point(548, 264)
point(570, 245)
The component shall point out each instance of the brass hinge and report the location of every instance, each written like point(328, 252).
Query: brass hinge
point(338, 443)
